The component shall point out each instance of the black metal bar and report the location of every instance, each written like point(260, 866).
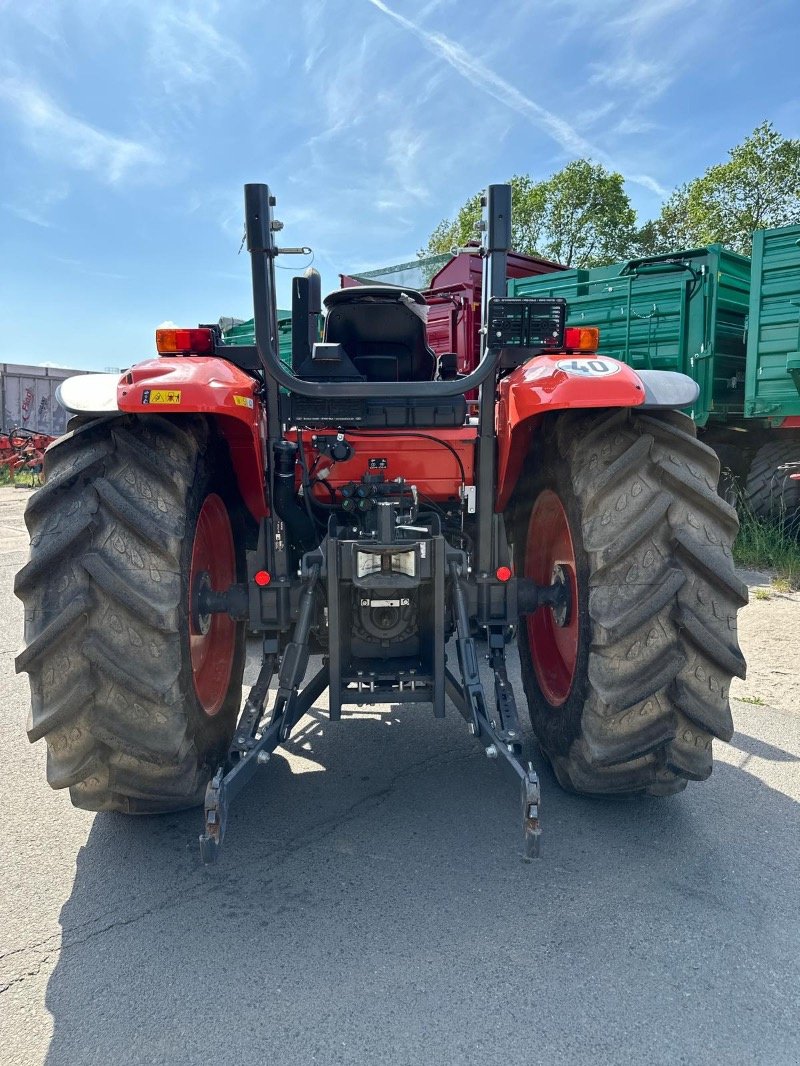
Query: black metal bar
point(289, 706)
point(439, 553)
point(497, 240)
point(312, 691)
point(254, 708)
point(258, 204)
point(261, 245)
point(295, 657)
point(506, 723)
point(456, 694)
point(334, 627)
point(225, 787)
point(469, 698)
point(471, 683)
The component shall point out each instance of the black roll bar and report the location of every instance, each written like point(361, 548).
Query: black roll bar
point(261, 245)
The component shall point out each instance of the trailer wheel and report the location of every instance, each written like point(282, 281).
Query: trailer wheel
point(771, 494)
point(628, 685)
point(136, 698)
point(733, 463)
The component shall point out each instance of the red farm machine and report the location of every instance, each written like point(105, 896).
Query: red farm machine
point(396, 513)
point(22, 452)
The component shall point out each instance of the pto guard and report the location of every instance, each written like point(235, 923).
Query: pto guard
point(561, 382)
point(182, 386)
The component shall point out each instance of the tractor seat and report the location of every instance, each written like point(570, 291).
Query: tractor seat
point(382, 330)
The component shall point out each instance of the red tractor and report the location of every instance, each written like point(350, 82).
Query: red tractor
point(359, 506)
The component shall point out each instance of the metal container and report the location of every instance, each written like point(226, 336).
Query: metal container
point(244, 333)
point(685, 311)
point(28, 397)
point(773, 335)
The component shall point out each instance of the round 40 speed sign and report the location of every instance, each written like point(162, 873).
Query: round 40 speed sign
point(596, 367)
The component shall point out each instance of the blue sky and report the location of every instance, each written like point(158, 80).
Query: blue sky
point(128, 127)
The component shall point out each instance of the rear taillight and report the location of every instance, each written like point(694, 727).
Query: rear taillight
point(582, 338)
point(185, 341)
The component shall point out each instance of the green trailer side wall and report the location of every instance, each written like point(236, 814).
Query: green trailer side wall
point(773, 336)
point(684, 312)
point(244, 333)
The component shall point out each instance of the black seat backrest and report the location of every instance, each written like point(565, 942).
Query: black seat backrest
point(382, 330)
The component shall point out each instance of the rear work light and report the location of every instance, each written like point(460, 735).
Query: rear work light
point(582, 338)
point(185, 341)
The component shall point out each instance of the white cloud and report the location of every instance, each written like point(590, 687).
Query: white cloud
point(188, 50)
point(37, 205)
point(478, 74)
point(53, 133)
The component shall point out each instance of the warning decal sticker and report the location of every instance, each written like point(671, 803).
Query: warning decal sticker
point(589, 368)
point(165, 396)
point(243, 401)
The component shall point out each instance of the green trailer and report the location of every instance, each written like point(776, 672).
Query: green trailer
point(772, 387)
point(685, 311)
point(235, 331)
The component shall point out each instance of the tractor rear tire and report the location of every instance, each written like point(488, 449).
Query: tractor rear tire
point(627, 691)
point(137, 702)
point(771, 495)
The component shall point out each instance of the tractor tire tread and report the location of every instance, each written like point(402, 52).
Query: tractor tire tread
point(663, 596)
point(103, 608)
point(768, 495)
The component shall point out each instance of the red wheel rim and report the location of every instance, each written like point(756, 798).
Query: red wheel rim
point(553, 647)
point(212, 639)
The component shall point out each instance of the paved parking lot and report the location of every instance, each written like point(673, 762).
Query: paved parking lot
point(372, 906)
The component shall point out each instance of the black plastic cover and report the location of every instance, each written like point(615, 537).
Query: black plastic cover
point(526, 323)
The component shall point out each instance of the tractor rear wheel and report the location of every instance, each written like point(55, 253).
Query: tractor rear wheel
point(628, 686)
point(771, 494)
point(136, 699)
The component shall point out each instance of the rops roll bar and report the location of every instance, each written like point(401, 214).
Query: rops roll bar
point(260, 230)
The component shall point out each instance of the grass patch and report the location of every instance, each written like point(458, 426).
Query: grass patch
point(781, 584)
point(755, 700)
point(763, 545)
point(25, 478)
point(762, 594)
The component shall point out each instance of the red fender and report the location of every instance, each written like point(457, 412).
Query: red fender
point(207, 385)
point(541, 386)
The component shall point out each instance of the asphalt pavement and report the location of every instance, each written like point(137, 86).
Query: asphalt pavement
point(372, 906)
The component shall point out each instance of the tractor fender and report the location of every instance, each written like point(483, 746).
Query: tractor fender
point(185, 385)
point(559, 382)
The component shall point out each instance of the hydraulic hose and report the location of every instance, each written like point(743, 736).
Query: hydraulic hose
point(297, 521)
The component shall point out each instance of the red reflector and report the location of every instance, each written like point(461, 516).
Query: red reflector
point(262, 577)
point(185, 341)
point(582, 338)
point(503, 573)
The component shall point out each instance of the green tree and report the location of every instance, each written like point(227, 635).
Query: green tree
point(580, 216)
point(527, 200)
point(589, 220)
point(757, 188)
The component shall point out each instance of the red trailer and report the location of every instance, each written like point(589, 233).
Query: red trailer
point(453, 296)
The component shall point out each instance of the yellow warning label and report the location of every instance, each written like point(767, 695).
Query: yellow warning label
point(243, 401)
point(165, 396)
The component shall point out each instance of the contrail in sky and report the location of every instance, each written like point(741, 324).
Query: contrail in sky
point(479, 74)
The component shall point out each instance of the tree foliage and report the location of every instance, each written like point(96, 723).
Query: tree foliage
point(581, 216)
point(757, 188)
